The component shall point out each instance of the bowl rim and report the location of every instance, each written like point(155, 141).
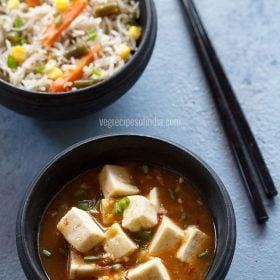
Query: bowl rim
point(218, 271)
point(151, 21)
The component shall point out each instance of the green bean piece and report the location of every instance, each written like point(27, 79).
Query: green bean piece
point(107, 9)
point(40, 69)
point(18, 22)
point(121, 205)
point(133, 22)
point(13, 37)
point(22, 41)
point(11, 62)
point(90, 259)
point(46, 253)
point(203, 254)
point(77, 51)
point(84, 83)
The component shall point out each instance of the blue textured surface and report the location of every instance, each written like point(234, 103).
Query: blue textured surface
point(246, 35)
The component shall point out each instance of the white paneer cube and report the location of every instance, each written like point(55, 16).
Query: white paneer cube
point(80, 230)
point(167, 236)
point(78, 268)
point(140, 214)
point(153, 196)
point(150, 270)
point(115, 181)
point(193, 241)
point(117, 243)
point(107, 211)
point(115, 276)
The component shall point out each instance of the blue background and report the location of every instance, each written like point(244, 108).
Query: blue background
point(246, 35)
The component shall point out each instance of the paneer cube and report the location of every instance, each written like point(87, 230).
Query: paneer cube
point(140, 214)
point(193, 241)
point(153, 196)
point(79, 269)
point(115, 276)
point(150, 270)
point(167, 236)
point(106, 278)
point(115, 181)
point(80, 230)
point(117, 243)
point(107, 211)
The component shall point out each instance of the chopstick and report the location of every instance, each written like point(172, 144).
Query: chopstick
point(249, 160)
point(256, 156)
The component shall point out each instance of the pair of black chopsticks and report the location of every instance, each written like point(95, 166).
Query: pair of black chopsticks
point(244, 146)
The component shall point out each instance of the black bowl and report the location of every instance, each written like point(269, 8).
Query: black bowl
point(81, 102)
point(109, 149)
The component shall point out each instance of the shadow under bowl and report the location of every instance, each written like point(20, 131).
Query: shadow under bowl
point(74, 104)
point(119, 148)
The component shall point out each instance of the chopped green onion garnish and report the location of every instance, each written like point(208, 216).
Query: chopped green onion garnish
point(203, 254)
point(18, 22)
point(91, 35)
point(11, 62)
point(90, 259)
point(58, 20)
point(117, 266)
point(96, 72)
point(172, 194)
point(145, 235)
point(63, 252)
point(46, 253)
point(184, 216)
point(40, 69)
point(121, 205)
point(145, 168)
point(84, 205)
point(80, 192)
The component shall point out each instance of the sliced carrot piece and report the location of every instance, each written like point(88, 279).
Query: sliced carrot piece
point(63, 21)
point(33, 3)
point(60, 85)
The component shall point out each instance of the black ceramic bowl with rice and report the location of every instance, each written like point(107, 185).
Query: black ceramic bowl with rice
point(82, 98)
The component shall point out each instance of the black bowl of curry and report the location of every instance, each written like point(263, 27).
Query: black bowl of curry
point(126, 207)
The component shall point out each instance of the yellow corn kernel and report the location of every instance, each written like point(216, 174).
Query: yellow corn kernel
point(18, 53)
point(54, 73)
point(124, 51)
point(61, 5)
point(135, 32)
point(13, 4)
